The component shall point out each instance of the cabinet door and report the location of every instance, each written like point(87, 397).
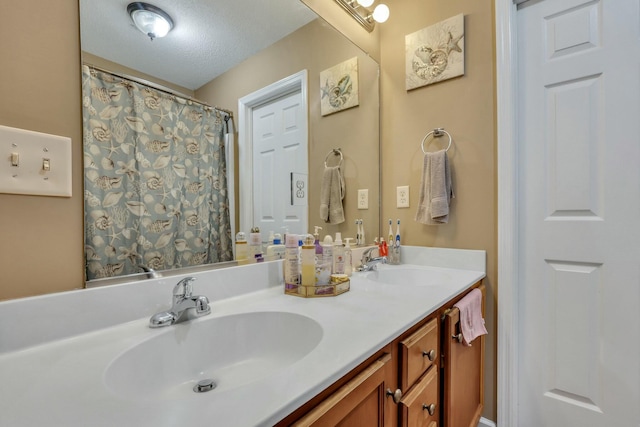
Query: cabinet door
point(463, 396)
point(360, 402)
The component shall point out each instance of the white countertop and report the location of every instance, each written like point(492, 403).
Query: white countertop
point(60, 382)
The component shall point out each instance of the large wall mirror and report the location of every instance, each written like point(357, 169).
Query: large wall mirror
point(221, 51)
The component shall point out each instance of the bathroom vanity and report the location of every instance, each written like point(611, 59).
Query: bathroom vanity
point(89, 357)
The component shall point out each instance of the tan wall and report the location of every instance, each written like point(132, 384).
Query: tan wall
point(315, 47)
point(41, 248)
point(464, 106)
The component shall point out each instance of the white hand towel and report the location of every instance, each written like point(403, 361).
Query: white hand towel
point(331, 195)
point(471, 321)
point(436, 189)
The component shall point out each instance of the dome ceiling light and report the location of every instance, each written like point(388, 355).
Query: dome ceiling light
point(149, 19)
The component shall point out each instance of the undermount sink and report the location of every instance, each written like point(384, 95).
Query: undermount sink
point(233, 351)
point(413, 275)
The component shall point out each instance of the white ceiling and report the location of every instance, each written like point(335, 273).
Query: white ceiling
point(209, 36)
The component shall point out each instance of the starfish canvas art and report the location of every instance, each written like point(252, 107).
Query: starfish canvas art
point(339, 87)
point(435, 53)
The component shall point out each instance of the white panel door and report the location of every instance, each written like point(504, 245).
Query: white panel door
point(579, 213)
point(280, 150)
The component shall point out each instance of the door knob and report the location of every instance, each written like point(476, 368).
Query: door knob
point(397, 395)
point(431, 355)
point(431, 409)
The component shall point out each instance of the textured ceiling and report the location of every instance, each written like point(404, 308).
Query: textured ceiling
point(209, 36)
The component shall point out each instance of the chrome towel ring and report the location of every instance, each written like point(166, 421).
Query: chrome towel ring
point(437, 132)
point(334, 152)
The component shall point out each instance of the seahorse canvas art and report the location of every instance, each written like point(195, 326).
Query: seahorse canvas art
point(435, 53)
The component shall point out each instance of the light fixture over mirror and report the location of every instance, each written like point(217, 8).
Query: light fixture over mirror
point(149, 19)
point(358, 9)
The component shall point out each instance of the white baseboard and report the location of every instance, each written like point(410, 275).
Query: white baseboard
point(486, 423)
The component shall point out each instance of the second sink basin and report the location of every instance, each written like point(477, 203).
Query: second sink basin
point(405, 274)
point(232, 351)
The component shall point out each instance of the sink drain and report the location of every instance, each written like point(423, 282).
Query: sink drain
point(204, 386)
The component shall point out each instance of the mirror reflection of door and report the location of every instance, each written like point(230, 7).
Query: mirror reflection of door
point(280, 166)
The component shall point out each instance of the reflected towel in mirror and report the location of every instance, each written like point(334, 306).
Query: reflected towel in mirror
point(331, 195)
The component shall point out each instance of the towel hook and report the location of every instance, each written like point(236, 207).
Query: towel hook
point(335, 152)
point(437, 132)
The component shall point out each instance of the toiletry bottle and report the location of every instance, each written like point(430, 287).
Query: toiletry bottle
point(383, 248)
point(308, 261)
point(327, 253)
point(316, 242)
point(348, 257)
point(271, 238)
point(255, 243)
point(291, 273)
point(242, 250)
point(277, 249)
point(338, 255)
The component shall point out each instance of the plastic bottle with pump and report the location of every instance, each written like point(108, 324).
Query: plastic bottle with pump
point(291, 272)
point(308, 261)
point(383, 249)
point(242, 249)
point(338, 255)
point(348, 257)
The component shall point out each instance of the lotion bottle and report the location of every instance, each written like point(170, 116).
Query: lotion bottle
point(277, 249)
point(348, 257)
point(255, 243)
point(308, 264)
point(291, 273)
point(338, 255)
point(327, 254)
point(242, 250)
point(316, 242)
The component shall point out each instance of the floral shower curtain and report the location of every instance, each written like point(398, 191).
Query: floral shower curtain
point(155, 179)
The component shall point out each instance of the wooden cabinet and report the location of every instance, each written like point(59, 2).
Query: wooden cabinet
point(361, 401)
point(424, 378)
point(463, 381)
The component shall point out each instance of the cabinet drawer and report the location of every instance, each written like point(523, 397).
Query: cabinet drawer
point(419, 352)
point(415, 407)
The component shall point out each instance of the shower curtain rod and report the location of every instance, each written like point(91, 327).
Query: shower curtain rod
point(159, 87)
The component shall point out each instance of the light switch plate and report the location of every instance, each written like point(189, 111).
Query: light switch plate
point(363, 199)
point(402, 196)
point(34, 153)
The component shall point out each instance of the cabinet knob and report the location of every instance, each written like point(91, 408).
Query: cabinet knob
point(457, 337)
point(431, 409)
point(431, 355)
point(397, 395)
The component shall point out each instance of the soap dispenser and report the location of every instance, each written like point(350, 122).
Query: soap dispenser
point(348, 257)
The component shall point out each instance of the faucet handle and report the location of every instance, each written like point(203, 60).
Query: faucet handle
point(202, 305)
point(187, 286)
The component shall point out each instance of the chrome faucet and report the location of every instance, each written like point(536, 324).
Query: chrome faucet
point(183, 300)
point(369, 262)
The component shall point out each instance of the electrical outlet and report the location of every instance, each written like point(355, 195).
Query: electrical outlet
point(363, 199)
point(402, 196)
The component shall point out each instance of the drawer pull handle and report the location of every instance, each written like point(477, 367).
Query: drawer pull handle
point(457, 337)
point(397, 395)
point(431, 355)
point(431, 409)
